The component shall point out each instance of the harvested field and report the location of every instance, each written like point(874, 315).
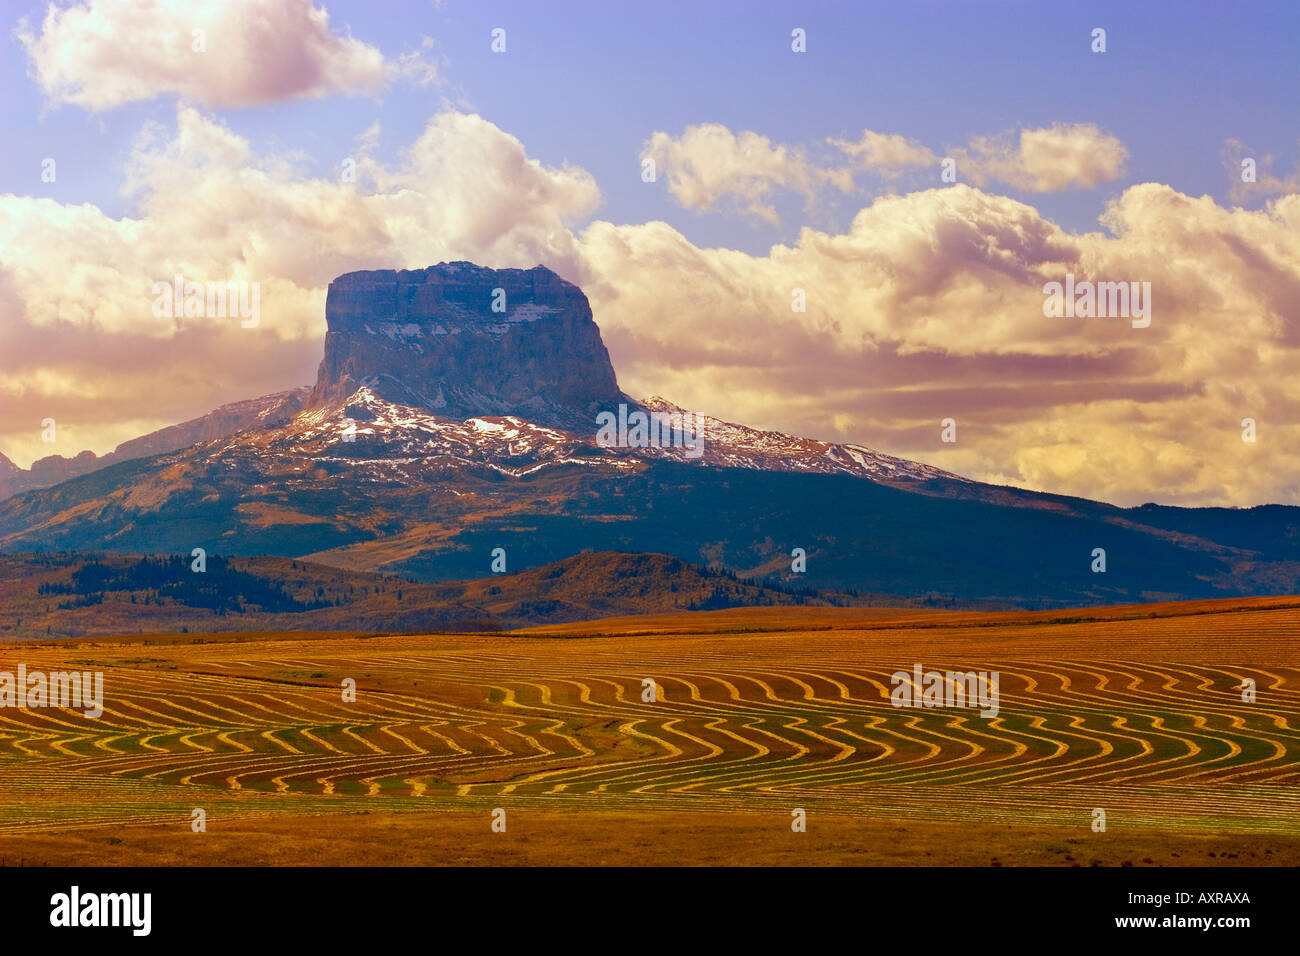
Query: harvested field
point(755, 716)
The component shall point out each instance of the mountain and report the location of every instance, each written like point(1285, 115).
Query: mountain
point(440, 430)
point(227, 420)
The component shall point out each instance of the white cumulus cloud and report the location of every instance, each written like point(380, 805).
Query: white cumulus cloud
point(710, 165)
point(100, 54)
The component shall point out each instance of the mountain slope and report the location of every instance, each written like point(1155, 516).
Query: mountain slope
point(45, 472)
point(70, 595)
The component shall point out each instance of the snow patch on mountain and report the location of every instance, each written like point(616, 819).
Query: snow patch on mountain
point(368, 428)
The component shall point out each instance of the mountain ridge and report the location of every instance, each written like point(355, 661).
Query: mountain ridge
point(223, 420)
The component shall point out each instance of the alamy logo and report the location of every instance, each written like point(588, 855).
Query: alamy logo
point(213, 300)
point(919, 688)
point(1102, 300)
point(102, 909)
point(653, 430)
point(78, 690)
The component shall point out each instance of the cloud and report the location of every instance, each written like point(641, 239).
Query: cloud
point(886, 153)
point(211, 210)
point(100, 54)
point(1053, 159)
point(709, 165)
point(930, 306)
point(1050, 159)
point(1266, 182)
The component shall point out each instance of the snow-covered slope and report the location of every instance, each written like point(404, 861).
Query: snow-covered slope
point(366, 428)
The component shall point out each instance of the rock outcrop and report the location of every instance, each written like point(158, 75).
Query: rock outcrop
point(461, 340)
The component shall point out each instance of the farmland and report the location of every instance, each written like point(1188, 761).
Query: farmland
point(757, 712)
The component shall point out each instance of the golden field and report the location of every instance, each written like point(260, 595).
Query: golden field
point(1134, 710)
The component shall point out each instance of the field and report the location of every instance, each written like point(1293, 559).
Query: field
point(1137, 711)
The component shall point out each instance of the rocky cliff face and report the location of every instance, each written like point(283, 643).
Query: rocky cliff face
point(461, 340)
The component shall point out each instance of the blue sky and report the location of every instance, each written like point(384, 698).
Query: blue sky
point(587, 82)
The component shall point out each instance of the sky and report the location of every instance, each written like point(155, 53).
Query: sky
point(132, 156)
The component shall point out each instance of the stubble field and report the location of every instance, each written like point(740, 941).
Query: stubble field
point(1136, 711)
